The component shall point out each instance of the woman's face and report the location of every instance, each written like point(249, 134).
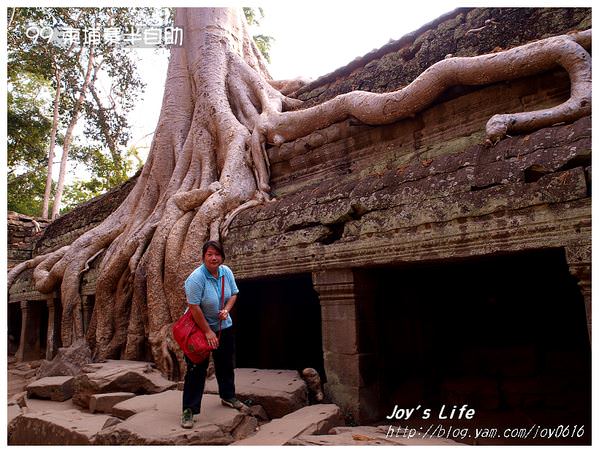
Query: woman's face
point(212, 259)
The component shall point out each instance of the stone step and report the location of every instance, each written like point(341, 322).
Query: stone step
point(316, 419)
point(56, 388)
point(104, 402)
point(67, 427)
point(155, 420)
point(279, 392)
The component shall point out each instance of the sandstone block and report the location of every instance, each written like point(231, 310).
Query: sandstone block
point(70, 427)
point(56, 388)
point(13, 412)
point(317, 419)
point(68, 361)
point(279, 392)
point(19, 399)
point(118, 376)
point(104, 402)
point(156, 421)
point(141, 403)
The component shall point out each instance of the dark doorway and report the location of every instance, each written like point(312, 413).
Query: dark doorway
point(42, 308)
point(277, 322)
point(14, 327)
point(505, 335)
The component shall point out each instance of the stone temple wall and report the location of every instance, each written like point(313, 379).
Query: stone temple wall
point(23, 233)
point(354, 200)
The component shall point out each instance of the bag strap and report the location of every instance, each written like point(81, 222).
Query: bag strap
point(222, 304)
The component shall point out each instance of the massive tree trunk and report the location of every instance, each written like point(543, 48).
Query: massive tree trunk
point(208, 161)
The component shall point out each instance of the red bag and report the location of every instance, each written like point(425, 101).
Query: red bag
point(190, 337)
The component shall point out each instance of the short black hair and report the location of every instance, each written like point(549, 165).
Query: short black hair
point(214, 244)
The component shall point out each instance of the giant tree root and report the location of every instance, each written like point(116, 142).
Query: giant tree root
point(208, 162)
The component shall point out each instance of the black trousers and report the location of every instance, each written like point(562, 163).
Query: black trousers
point(195, 377)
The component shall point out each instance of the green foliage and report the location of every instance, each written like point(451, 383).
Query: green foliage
point(103, 174)
point(25, 191)
point(32, 68)
point(28, 127)
point(263, 42)
point(28, 133)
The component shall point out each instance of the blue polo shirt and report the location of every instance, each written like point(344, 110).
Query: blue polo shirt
point(203, 289)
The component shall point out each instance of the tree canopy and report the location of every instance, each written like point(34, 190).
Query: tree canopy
point(96, 80)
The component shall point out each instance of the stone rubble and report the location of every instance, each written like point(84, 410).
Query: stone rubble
point(68, 361)
point(56, 388)
point(279, 392)
point(118, 376)
point(121, 402)
point(121, 417)
point(155, 420)
point(104, 402)
point(316, 419)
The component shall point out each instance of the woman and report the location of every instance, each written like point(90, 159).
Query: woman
point(203, 290)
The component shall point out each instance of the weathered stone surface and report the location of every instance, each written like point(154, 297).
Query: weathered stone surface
point(104, 402)
point(68, 361)
point(38, 405)
point(279, 392)
point(18, 399)
point(157, 422)
point(56, 388)
point(258, 411)
point(22, 233)
point(68, 227)
point(118, 376)
point(70, 427)
point(369, 435)
point(142, 403)
point(316, 419)
point(13, 412)
point(466, 199)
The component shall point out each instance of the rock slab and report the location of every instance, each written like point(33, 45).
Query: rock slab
point(279, 392)
point(316, 419)
point(118, 376)
point(104, 402)
point(155, 420)
point(70, 427)
point(68, 361)
point(55, 388)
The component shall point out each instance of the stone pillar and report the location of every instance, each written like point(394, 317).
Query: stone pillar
point(579, 261)
point(87, 303)
point(53, 335)
point(345, 364)
point(29, 347)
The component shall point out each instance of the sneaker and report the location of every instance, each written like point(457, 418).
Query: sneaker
point(187, 419)
point(233, 402)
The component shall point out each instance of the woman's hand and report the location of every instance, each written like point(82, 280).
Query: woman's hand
point(223, 314)
point(212, 339)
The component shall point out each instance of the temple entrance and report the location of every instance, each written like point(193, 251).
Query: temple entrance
point(14, 327)
point(278, 324)
point(505, 335)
